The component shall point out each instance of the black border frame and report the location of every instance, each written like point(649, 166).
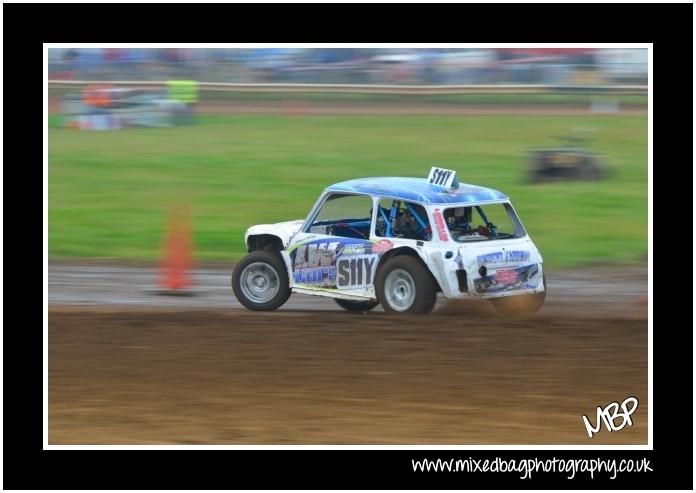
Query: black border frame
point(27, 26)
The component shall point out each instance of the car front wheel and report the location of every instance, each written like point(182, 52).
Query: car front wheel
point(260, 281)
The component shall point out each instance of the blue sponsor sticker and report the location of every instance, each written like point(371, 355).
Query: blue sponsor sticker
point(332, 263)
point(503, 257)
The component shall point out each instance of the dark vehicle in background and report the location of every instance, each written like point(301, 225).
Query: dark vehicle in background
point(566, 162)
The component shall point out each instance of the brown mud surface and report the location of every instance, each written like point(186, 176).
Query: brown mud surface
point(122, 375)
point(299, 107)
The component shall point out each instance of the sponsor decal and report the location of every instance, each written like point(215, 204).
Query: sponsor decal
point(441, 226)
point(356, 272)
point(316, 276)
point(335, 264)
point(503, 257)
point(517, 256)
point(505, 276)
point(353, 249)
point(382, 246)
point(313, 263)
point(491, 258)
point(526, 277)
point(316, 254)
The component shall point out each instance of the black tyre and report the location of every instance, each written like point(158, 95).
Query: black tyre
point(356, 306)
point(523, 306)
point(260, 281)
point(404, 285)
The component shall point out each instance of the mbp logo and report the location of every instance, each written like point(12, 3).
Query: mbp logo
point(610, 414)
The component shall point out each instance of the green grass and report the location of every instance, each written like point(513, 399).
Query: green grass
point(109, 192)
point(570, 98)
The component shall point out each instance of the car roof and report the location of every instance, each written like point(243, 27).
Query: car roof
point(417, 190)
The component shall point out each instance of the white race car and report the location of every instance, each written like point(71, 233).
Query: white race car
point(398, 242)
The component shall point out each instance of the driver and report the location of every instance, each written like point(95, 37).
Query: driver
point(459, 218)
point(406, 224)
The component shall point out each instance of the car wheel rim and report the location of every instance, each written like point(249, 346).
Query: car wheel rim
point(400, 290)
point(259, 282)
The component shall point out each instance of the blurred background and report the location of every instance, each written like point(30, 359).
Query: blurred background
point(246, 136)
point(356, 66)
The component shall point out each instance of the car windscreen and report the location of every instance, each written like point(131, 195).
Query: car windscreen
point(483, 222)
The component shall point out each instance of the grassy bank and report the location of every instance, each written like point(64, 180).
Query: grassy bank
point(109, 192)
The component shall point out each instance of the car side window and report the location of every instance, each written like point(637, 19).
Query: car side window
point(345, 215)
point(401, 219)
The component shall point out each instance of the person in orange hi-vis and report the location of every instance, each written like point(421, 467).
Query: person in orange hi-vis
point(97, 99)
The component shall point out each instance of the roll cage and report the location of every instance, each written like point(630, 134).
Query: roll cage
point(364, 228)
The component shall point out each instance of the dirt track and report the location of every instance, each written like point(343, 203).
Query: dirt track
point(307, 107)
point(146, 376)
point(127, 366)
point(605, 291)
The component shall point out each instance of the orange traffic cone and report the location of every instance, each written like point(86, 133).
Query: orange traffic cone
point(175, 275)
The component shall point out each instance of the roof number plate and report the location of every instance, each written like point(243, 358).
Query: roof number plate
point(443, 177)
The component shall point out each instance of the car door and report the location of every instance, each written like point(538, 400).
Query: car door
point(333, 251)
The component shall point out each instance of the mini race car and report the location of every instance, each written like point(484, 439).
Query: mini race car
point(398, 242)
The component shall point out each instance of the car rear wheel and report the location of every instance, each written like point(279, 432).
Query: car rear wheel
point(260, 281)
point(404, 285)
point(356, 306)
point(522, 306)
